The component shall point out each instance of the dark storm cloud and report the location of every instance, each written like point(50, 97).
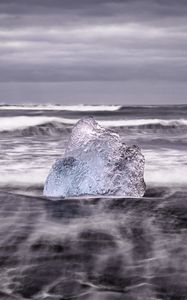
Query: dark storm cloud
point(162, 7)
point(89, 40)
point(54, 12)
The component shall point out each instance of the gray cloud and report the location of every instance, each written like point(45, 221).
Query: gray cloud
point(100, 40)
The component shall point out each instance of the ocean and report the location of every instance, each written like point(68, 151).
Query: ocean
point(92, 248)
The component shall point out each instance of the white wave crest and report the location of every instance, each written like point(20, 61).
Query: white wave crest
point(75, 108)
point(22, 122)
point(142, 122)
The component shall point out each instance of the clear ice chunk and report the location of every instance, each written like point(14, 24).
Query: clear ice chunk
point(96, 162)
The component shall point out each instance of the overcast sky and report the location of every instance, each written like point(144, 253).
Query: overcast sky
point(93, 51)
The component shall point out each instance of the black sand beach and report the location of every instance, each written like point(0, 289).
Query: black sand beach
point(102, 248)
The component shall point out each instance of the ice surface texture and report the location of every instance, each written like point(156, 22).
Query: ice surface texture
point(96, 162)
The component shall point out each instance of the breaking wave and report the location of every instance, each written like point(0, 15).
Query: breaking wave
point(80, 107)
point(146, 123)
point(29, 126)
point(26, 126)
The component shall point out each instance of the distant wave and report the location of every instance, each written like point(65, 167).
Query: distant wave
point(80, 107)
point(29, 126)
point(144, 123)
point(25, 125)
point(22, 122)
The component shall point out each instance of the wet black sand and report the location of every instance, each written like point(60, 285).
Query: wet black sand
point(93, 249)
